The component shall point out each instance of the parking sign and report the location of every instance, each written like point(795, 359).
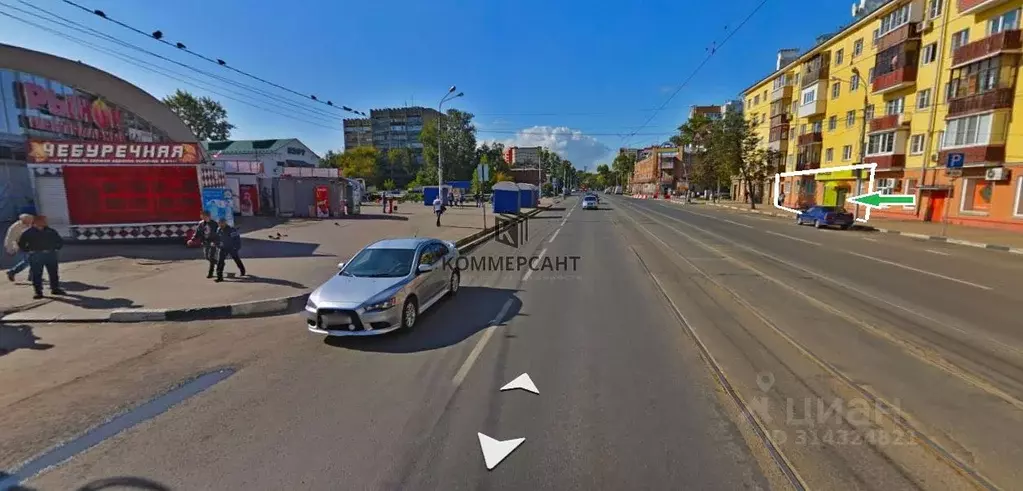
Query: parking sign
point(955, 160)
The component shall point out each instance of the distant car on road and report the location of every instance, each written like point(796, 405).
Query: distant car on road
point(590, 203)
point(826, 216)
point(386, 286)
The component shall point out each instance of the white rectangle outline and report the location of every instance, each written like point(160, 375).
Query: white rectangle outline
point(870, 183)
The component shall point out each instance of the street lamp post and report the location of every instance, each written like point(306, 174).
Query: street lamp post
point(440, 127)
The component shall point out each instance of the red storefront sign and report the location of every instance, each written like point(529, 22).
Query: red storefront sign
point(108, 195)
point(64, 152)
point(322, 202)
point(83, 116)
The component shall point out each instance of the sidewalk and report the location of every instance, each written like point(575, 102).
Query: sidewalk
point(955, 234)
point(287, 260)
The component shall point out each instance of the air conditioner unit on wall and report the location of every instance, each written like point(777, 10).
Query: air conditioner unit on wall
point(925, 26)
point(997, 174)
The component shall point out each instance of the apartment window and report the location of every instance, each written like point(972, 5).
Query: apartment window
point(832, 123)
point(894, 106)
point(850, 118)
point(847, 153)
point(934, 9)
point(888, 186)
point(756, 99)
point(978, 77)
point(829, 154)
point(1018, 209)
point(868, 113)
point(881, 143)
point(929, 53)
point(854, 82)
point(792, 134)
point(838, 56)
point(802, 129)
point(960, 39)
point(923, 99)
point(809, 97)
point(817, 126)
point(857, 47)
point(950, 91)
point(1004, 22)
point(941, 139)
point(910, 186)
point(968, 131)
point(795, 106)
point(916, 144)
point(977, 195)
point(835, 90)
point(895, 20)
point(870, 74)
point(877, 34)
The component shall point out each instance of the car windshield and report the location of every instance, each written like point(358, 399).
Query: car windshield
point(380, 263)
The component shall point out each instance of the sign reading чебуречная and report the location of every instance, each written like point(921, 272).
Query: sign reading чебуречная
point(513, 263)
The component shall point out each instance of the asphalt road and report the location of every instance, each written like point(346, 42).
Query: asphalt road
point(690, 348)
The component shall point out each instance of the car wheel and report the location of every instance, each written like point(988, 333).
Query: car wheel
point(818, 224)
point(453, 283)
point(409, 313)
point(799, 221)
point(846, 227)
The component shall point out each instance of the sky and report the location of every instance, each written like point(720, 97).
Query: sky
point(580, 78)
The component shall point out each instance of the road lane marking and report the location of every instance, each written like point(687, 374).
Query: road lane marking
point(737, 223)
point(868, 238)
point(921, 271)
point(476, 350)
point(556, 232)
point(940, 253)
point(529, 273)
point(794, 238)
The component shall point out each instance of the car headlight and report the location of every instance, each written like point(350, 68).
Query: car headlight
point(386, 304)
point(309, 304)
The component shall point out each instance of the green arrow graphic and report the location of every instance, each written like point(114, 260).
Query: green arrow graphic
point(878, 200)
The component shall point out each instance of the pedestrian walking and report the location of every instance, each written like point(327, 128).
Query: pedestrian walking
point(42, 243)
point(206, 232)
point(229, 243)
point(14, 233)
point(479, 199)
point(438, 208)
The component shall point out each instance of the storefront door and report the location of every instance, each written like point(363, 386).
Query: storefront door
point(935, 206)
point(51, 200)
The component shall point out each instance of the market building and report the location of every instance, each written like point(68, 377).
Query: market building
point(100, 157)
point(252, 168)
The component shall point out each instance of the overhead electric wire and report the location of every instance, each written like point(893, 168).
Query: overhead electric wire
point(149, 67)
point(699, 67)
point(101, 35)
point(158, 36)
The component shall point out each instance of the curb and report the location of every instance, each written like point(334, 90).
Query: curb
point(257, 308)
point(934, 238)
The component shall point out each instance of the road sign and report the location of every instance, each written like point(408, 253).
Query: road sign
point(483, 171)
point(955, 160)
point(954, 172)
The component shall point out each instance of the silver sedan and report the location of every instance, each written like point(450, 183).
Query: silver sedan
point(384, 287)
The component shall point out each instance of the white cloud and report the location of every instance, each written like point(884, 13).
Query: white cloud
point(582, 150)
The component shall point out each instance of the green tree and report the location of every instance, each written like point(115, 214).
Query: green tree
point(358, 162)
point(331, 159)
point(398, 165)
point(458, 142)
point(695, 135)
point(206, 117)
point(388, 185)
point(734, 148)
point(622, 167)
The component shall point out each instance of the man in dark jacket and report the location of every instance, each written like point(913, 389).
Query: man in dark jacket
point(206, 233)
point(229, 242)
point(42, 243)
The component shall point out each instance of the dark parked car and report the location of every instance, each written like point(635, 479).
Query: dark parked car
point(826, 216)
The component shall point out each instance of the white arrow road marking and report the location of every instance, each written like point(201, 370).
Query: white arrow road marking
point(522, 382)
point(494, 451)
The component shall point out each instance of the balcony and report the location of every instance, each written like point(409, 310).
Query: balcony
point(977, 6)
point(894, 80)
point(815, 70)
point(898, 36)
point(780, 119)
point(978, 155)
point(779, 133)
point(987, 101)
point(783, 92)
point(806, 164)
point(667, 164)
point(993, 45)
point(888, 162)
point(810, 138)
point(889, 122)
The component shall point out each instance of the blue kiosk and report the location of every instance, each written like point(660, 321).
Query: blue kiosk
point(430, 193)
point(528, 195)
point(507, 198)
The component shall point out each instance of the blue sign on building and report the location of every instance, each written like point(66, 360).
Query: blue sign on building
point(955, 160)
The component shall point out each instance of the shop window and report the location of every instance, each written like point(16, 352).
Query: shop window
point(910, 186)
point(889, 186)
point(977, 195)
point(1018, 209)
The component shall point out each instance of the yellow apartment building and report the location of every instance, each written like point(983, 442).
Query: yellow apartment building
point(908, 86)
